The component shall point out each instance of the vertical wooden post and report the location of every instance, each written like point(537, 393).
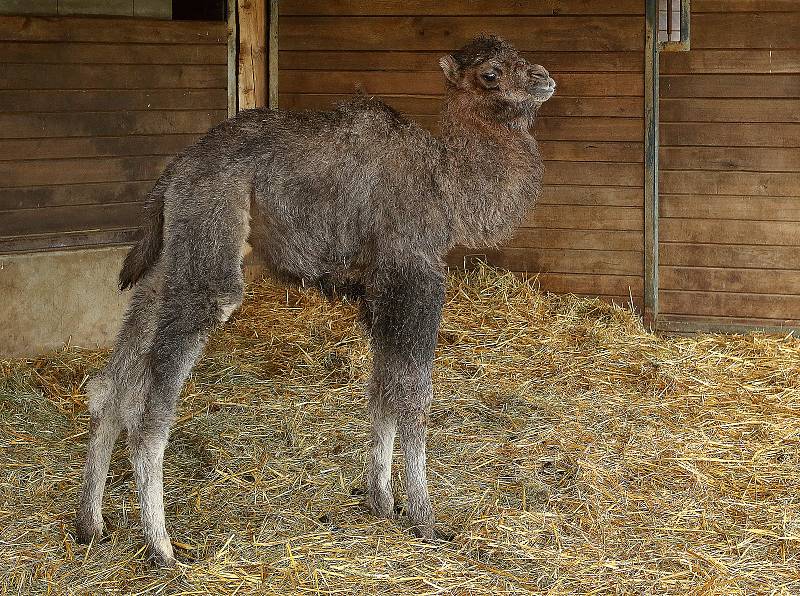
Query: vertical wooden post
point(651, 164)
point(252, 17)
point(273, 54)
point(233, 46)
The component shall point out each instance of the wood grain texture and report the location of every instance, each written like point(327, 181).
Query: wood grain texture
point(112, 76)
point(112, 53)
point(740, 305)
point(725, 231)
point(106, 100)
point(729, 255)
point(252, 63)
point(404, 33)
point(477, 8)
point(425, 61)
point(37, 198)
point(749, 208)
point(74, 147)
point(105, 30)
point(94, 124)
point(728, 279)
point(70, 219)
point(749, 159)
point(91, 110)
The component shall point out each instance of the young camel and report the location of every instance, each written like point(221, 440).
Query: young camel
point(357, 200)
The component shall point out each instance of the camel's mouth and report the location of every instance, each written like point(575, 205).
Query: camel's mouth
point(542, 93)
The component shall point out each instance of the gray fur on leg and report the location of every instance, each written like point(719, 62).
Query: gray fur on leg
point(104, 429)
point(381, 449)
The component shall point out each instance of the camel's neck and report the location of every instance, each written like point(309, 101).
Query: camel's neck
point(492, 174)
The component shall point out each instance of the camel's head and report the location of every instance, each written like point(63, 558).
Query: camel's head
point(501, 81)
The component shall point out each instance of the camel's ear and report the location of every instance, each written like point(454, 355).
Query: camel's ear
point(450, 68)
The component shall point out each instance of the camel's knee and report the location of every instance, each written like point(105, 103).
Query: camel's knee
point(101, 393)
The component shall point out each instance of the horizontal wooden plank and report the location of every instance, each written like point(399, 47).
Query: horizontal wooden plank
point(112, 76)
point(592, 195)
point(771, 184)
point(729, 255)
point(432, 83)
point(606, 285)
point(629, 107)
point(727, 207)
point(110, 30)
point(628, 152)
point(752, 30)
point(754, 159)
point(730, 134)
point(689, 325)
point(729, 110)
point(74, 147)
point(532, 260)
point(527, 237)
point(764, 306)
point(113, 53)
point(102, 100)
point(743, 85)
point(719, 279)
point(61, 240)
point(700, 6)
point(69, 219)
point(589, 129)
point(76, 171)
point(727, 231)
point(457, 7)
point(93, 124)
point(738, 61)
point(568, 129)
point(586, 217)
point(608, 33)
point(45, 197)
point(593, 173)
point(555, 62)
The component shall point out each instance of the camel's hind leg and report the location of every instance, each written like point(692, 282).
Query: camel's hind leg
point(120, 378)
point(203, 286)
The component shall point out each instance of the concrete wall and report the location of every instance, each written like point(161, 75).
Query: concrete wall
point(50, 298)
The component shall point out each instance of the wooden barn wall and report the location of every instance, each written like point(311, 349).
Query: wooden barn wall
point(730, 167)
point(586, 234)
point(91, 110)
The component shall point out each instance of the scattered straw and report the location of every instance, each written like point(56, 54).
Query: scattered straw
point(570, 452)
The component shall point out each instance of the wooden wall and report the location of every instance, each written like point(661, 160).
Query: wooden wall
point(730, 167)
point(585, 236)
point(91, 110)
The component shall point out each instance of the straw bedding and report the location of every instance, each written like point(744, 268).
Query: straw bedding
point(570, 452)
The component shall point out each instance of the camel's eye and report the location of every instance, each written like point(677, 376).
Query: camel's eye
point(489, 77)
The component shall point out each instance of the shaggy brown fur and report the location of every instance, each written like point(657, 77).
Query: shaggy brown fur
point(358, 199)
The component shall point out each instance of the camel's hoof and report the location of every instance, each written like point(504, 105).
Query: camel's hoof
point(424, 531)
point(161, 553)
point(381, 504)
point(87, 531)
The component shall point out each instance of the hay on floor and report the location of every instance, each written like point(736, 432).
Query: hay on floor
point(570, 451)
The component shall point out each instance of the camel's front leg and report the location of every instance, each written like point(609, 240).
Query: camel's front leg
point(404, 326)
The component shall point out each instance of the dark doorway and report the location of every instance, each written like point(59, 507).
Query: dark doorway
point(199, 10)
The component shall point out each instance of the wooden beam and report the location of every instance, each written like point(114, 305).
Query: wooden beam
point(252, 54)
point(273, 54)
point(651, 164)
point(233, 46)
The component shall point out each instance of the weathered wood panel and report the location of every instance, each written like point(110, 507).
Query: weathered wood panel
point(91, 110)
point(730, 167)
point(585, 236)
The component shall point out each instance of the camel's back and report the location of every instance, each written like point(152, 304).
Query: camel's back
point(335, 189)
